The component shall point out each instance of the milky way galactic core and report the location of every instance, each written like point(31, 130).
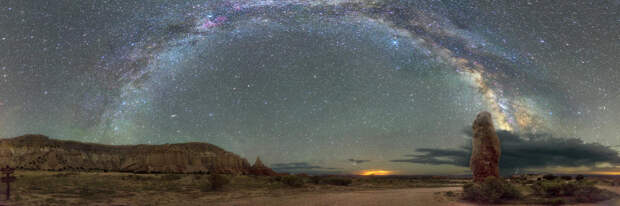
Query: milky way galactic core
point(291, 80)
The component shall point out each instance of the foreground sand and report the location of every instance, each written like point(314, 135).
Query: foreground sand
point(96, 188)
point(393, 197)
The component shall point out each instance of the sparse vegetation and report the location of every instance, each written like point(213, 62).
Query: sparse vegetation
point(340, 181)
point(492, 190)
point(170, 177)
point(293, 181)
point(205, 186)
point(549, 177)
point(83, 188)
point(315, 179)
point(218, 181)
point(579, 177)
point(578, 191)
point(550, 190)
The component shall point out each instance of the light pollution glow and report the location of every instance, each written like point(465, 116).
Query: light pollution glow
point(606, 173)
point(376, 172)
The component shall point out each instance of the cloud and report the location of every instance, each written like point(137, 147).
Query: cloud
point(358, 161)
point(302, 167)
point(528, 151)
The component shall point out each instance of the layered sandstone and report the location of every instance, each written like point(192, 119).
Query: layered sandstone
point(39, 152)
point(486, 150)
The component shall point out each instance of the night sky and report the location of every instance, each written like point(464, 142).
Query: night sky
point(329, 86)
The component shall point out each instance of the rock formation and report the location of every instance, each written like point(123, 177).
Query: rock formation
point(38, 152)
point(485, 152)
point(260, 169)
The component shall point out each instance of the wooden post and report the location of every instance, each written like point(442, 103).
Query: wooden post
point(8, 179)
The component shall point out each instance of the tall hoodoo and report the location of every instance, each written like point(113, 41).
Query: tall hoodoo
point(486, 150)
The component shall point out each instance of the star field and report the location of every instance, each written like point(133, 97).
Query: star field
point(313, 82)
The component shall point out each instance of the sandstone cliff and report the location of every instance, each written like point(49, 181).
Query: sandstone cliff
point(39, 152)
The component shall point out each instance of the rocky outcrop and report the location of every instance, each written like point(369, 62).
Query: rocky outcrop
point(486, 151)
point(38, 152)
point(260, 169)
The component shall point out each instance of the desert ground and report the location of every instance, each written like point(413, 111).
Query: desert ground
point(408, 196)
point(109, 188)
point(396, 197)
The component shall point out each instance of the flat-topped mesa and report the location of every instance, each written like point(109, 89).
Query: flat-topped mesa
point(486, 149)
point(38, 152)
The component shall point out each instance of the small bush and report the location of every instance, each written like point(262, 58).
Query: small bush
point(567, 177)
point(340, 181)
point(218, 181)
point(293, 181)
point(579, 177)
point(549, 177)
point(549, 188)
point(315, 179)
point(277, 178)
point(555, 201)
point(492, 190)
point(171, 177)
point(589, 193)
point(581, 191)
point(205, 186)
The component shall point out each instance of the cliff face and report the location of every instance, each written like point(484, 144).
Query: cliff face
point(41, 153)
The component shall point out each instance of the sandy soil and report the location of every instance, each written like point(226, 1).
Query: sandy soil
point(393, 197)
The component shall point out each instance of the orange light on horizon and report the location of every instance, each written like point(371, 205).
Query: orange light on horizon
point(375, 172)
point(606, 173)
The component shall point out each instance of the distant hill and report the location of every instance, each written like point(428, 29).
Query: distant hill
point(39, 152)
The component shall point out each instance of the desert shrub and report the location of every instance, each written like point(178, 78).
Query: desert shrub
point(581, 191)
point(171, 177)
point(293, 181)
point(66, 174)
point(590, 193)
point(549, 177)
point(579, 177)
point(491, 190)
point(566, 177)
point(277, 178)
point(205, 186)
point(548, 188)
point(315, 179)
point(138, 178)
point(170, 187)
point(218, 181)
point(555, 201)
point(341, 181)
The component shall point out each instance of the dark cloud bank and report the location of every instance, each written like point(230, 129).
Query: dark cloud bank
point(524, 152)
point(358, 161)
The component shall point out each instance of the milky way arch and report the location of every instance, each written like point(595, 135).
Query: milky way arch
point(501, 78)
